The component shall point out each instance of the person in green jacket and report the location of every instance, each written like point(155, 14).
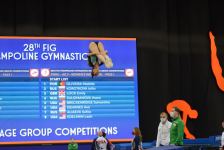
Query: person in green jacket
point(177, 128)
point(72, 145)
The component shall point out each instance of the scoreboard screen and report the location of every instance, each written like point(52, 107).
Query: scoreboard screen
point(53, 89)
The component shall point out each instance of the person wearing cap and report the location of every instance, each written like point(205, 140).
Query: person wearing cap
point(177, 128)
point(163, 134)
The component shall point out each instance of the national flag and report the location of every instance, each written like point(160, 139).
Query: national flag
point(61, 83)
point(61, 93)
point(61, 88)
point(62, 115)
point(62, 108)
point(62, 103)
point(61, 98)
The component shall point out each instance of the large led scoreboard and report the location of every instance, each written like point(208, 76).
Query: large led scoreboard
point(48, 95)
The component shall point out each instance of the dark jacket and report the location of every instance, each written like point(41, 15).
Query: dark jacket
point(93, 147)
point(137, 141)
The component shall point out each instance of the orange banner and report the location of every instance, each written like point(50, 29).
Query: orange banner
point(187, 112)
point(216, 67)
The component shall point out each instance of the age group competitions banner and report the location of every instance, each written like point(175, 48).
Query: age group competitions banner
point(53, 89)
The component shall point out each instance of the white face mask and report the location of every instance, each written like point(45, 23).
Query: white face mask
point(172, 114)
point(163, 120)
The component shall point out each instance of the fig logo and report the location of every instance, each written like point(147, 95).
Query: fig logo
point(34, 73)
point(216, 67)
point(45, 72)
point(129, 72)
point(187, 112)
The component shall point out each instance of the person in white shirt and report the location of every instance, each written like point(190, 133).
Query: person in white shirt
point(222, 138)
point(101, 142)
point(163, 135)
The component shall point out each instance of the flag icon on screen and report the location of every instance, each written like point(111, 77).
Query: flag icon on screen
point(61, 98)
point(62, 108)
point(62, 115)
point(61, 87)
point(61, 93)
point(62, 103)
point(61, 83)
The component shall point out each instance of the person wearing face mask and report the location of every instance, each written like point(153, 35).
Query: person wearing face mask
point(163, 135)
point(137, 140)
point(177, 128)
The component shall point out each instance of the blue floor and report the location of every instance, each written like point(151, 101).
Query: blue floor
point(201, 142)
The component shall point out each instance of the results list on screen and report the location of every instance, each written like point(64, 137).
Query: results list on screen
point(66, 94)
